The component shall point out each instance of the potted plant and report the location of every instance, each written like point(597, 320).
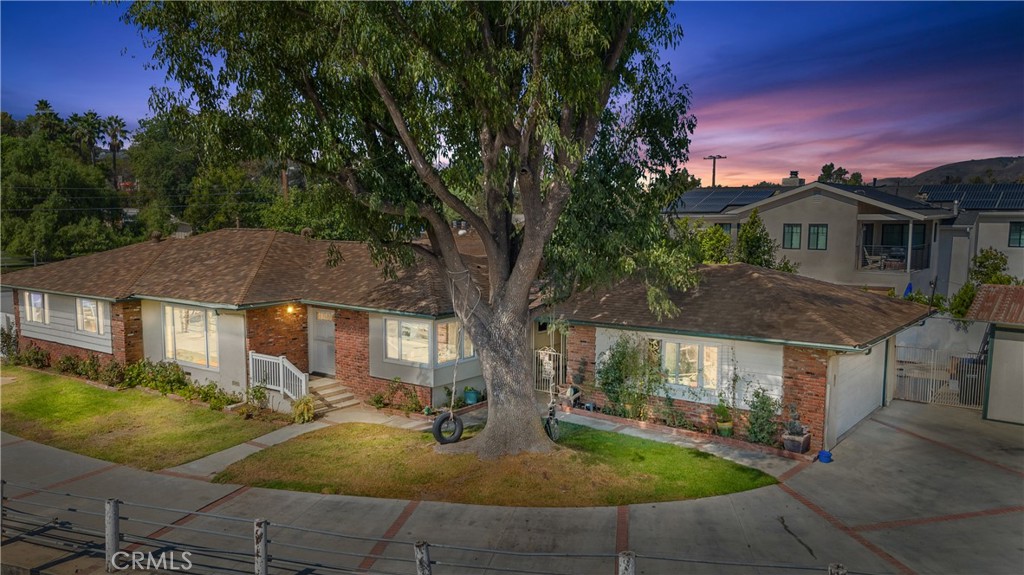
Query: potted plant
point(797, 437)
point(723, 418)
point(471, 394)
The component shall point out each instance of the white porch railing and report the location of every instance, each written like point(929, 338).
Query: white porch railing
point(276, 373)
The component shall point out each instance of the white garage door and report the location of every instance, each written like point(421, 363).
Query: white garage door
point(1006, 393)
point(855, 390)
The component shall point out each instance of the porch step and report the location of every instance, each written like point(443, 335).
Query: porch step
point(331, 394)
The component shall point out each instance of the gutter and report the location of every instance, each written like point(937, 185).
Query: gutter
point(833, 347)
point(68, 294)
point(369, 309)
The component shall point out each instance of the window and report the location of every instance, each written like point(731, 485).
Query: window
point(694, 365)
point(817, 237)
point(727, 228)
point(37, 307)
point(90, 315)
point(791, 236)
point(896, 235)
point(190, 336)
point(1017, 234)
point(448, 336)
point(406, 340)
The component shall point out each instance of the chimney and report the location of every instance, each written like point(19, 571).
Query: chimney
point(794, 179)
point(155, 236)
point(956, 208)
point(874, 182)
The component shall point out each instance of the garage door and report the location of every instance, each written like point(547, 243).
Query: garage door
point(855, 391)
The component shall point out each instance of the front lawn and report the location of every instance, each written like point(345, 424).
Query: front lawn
point(593, 468)
point(133, 427)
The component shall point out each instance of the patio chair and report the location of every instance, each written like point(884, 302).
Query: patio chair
point(873, 262)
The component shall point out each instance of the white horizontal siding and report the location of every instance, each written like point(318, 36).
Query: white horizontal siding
point(758, 364)
point(63, 325)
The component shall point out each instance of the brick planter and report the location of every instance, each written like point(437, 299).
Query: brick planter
point(707, 437)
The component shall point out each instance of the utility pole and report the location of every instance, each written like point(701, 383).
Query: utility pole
point(714, 165)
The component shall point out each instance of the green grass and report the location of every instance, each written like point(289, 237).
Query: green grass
point(590, 468)
point(132, 427)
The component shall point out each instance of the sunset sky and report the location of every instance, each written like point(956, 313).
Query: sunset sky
point(883, 88)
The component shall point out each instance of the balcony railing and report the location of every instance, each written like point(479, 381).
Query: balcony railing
point(894, 258)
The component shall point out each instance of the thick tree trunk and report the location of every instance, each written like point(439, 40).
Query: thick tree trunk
point(513, 420)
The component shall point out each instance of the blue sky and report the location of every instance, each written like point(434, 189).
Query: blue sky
point(884, 88)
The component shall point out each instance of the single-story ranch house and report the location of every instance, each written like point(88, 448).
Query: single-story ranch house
point(826, 348)
point(240, 307)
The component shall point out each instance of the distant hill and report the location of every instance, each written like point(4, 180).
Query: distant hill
point(998, 170)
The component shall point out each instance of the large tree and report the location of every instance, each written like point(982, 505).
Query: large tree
point(422, 113)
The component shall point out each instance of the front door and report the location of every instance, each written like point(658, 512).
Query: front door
point(321, 340)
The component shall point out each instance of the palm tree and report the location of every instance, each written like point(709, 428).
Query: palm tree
point(46, 120)
point(94, 129)
point(115, 129)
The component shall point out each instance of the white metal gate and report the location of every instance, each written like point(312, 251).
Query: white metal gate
point(547, 368)
point(943, 376)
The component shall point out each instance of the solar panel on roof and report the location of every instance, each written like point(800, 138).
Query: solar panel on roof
point(1008, 187)
point(945, 196)
point(1012, 204)
point(751, 196)
point(929, 188)
point(981, 199)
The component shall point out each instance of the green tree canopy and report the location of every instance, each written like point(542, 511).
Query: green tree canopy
point(420, 113)
point(755, 246)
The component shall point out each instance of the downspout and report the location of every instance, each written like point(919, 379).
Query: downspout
point(988, 368)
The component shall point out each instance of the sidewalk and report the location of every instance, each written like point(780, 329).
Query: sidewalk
point(209, 466)
point(904, 494)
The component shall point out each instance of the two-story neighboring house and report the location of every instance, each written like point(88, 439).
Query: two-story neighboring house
point(983, 216)
point(852, 235)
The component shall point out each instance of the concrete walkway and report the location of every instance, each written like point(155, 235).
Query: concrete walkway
point(914, 489)
point(207, 467)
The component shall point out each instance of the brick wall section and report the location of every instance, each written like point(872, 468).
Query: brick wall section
point(59, 350)
point(804, 381)
point(581, 344)
point(274, 331)
point(126, 331)
point(352, 358)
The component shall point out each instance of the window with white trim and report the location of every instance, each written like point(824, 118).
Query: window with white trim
point(37, 307)
point(90, 314)
point(190, 336)
point(407, 340)
point(693, 365)
point(449, 334)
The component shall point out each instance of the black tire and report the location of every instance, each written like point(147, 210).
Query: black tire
point(551, 428)
point(447, 428)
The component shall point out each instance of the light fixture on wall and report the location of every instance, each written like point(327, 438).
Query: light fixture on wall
point(291, 308)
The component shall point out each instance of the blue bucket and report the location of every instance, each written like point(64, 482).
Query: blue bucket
point(825, 456)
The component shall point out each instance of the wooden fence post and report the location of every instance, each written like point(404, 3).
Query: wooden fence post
point(627, 563)
point(112, 531)
point(261, 543)
point(422, 551)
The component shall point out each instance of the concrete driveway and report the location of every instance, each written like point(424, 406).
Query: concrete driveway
point(914, 489)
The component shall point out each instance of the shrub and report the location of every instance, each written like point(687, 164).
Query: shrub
point(33, 356)
point(761, 424)
point(68, 364)
point(8, 342)
point(378, 400)
point(257, 397)
point(304, 410)
point(89, 368)
point(112, 374)
point(630, 375)
point(722, 412)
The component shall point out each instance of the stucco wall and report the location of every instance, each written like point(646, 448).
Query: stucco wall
point(1006, 391)
point(993, 231)
point(231, 374)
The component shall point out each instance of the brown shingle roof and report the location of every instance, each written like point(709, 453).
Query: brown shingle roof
point(998, 303)
point(243, 267)
point(747, 302)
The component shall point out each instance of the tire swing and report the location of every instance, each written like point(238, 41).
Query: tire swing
point(448, 425)
point(447, 428)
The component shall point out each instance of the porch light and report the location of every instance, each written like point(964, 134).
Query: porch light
point(291, 308)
